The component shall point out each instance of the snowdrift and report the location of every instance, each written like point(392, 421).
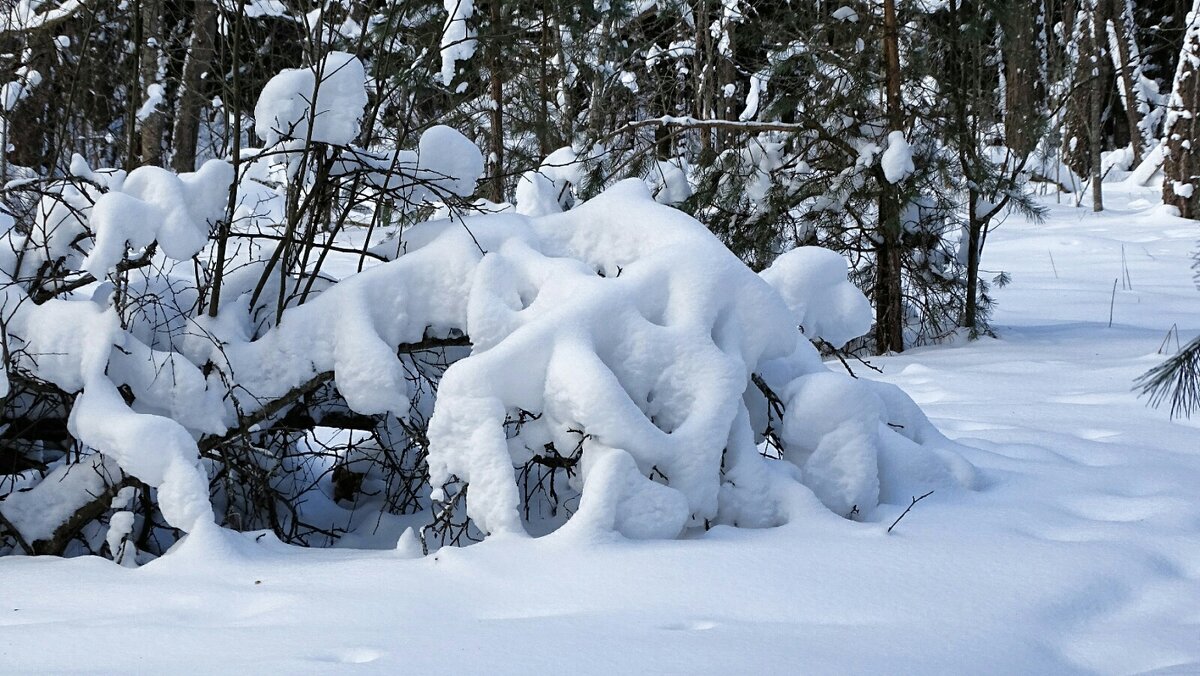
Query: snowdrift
point(612, 367)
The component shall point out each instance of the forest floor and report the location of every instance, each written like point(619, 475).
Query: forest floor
point(1078, 553)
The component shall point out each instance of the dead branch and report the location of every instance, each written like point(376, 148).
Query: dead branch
point(910, 506)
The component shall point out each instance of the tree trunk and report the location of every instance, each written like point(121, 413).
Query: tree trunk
point(185, 135)
point(496, 114)
point(1021, 93)
point(889, 299)
point(974, 230)
point(1095, 132)
point(152, 123)
point(1124, 66)
point(1182, 129)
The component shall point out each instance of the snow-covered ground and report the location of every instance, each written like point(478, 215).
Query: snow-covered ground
point(1079, 553)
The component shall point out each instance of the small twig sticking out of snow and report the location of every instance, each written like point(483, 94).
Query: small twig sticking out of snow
point(1166, 343)
point(841, 356)
point(910, 506)
point(1111, 303)
point(1126, 280)
point(1052, 265)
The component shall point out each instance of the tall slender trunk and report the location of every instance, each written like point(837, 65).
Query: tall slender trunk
point(1095, 132)
point(496, 115)
point(974, 230)
point(185, 135)
point(133, 97)
point(889, 299)
point(1182, 132)
point(152, 123)
point(1021, 92)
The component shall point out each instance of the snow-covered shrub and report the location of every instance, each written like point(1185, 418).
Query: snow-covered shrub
point(276, 342)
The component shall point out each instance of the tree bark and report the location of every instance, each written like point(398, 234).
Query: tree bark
point(152, 124)
point(1021, 77)
point(889, 299)
point(185, 135)
point(1122, 62)
point(1095, 108)
point(496, 114)
point(1182, 129)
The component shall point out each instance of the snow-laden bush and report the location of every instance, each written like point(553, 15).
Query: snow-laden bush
point(300, 353)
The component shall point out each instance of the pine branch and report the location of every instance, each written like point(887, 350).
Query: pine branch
point(1177, 381)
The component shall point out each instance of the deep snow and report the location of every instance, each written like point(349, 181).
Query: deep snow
point(1080, 552)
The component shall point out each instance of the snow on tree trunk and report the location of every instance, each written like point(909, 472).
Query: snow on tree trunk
point(1181, 132)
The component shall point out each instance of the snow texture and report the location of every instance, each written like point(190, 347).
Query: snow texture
point(897, 159)
point(826, 305)
point(322, 104)
point(1078, 555)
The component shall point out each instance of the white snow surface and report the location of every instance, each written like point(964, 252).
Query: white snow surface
point(323, 104)
point(458, 37)
point(1077, 554)
point(813, 283)
point(897, 159)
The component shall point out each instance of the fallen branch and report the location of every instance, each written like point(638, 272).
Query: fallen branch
point(57, 543)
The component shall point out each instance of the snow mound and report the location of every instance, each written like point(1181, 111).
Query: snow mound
point(813, 283)
point(613, 361)
point(639, 344)
point(322, 104)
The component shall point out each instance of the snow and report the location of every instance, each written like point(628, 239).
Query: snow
point(458, 38)
point(40, 510)
point(814, 284)
point(323, 104)
point(155, 94)
point(845, 13)
point(1076, 554)
point(897, 160)
point(153, 204)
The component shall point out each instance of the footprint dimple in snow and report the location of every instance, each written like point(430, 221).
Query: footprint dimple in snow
point(1117, 509)
point(690, 625)
point(361, 655)
point(1096, 434)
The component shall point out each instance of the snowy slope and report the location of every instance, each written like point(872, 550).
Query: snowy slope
point(1080, 553)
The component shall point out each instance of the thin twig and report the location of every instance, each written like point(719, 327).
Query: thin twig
point(910, 506)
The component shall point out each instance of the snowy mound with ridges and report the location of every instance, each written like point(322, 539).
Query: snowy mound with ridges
point(619, 341)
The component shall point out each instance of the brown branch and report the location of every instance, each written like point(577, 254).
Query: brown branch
point(57, 543)
point(282, 403)
point(8, 525)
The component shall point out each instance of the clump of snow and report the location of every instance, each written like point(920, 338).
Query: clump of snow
point(156, 205)
point(458, 38)
point(669, 182)
point(826, 305)
point(155, 95)
point(845, 13)
point(448, 157)
point(37, 512)
point(897, 159)
point(323, 104)
point(647, 364)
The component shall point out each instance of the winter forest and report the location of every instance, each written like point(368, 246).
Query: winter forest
point(668, 336)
